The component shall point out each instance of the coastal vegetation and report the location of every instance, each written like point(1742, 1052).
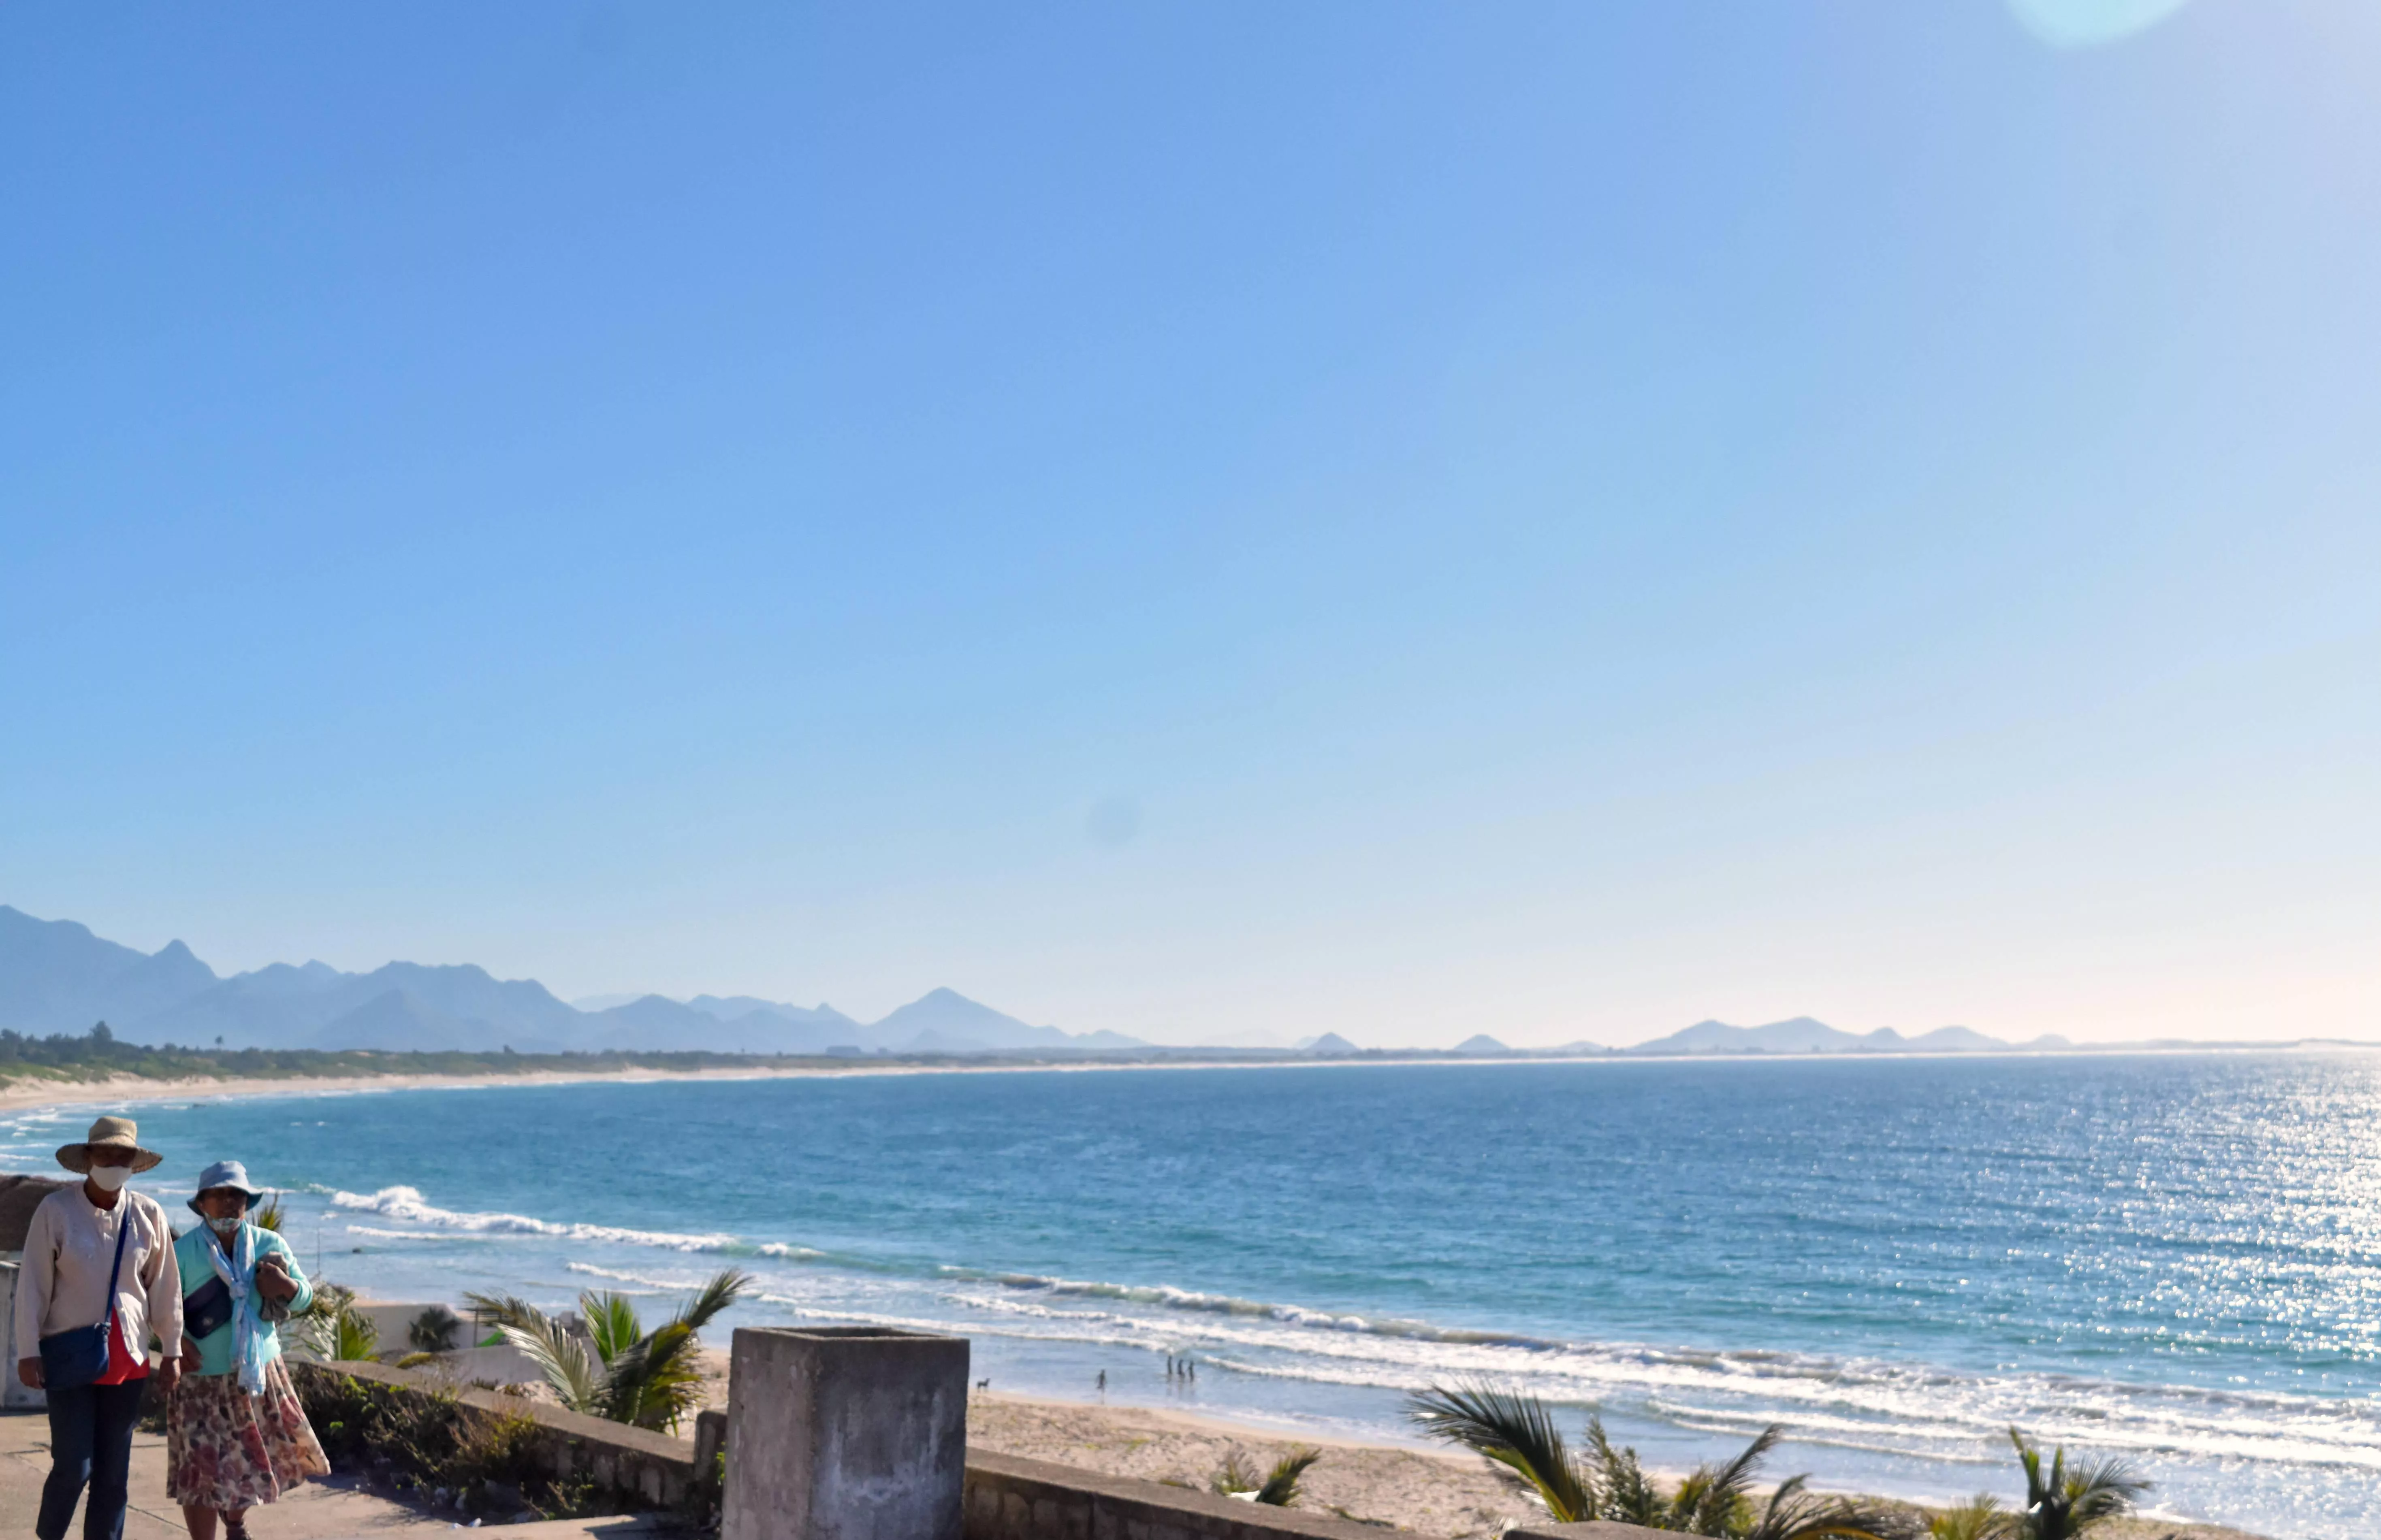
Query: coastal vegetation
point(1277, 1488)
point(334, 1330)
point(99, 1054)
point(430, 1446)
point(617, 1370)
point(1516, 1432)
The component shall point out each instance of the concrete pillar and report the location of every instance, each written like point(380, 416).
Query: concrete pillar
point(14, 1395)
point(844, 1433)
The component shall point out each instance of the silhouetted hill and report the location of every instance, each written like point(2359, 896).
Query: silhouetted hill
point(56, 977)
point(398, 1021)
point(943, 1020)
point(1806, 1035)
point(308, 1007)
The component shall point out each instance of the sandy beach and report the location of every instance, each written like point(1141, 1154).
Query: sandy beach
point(26, 1093)
point(1423, 1491)
point(18, 1094)
point(1428, 1493)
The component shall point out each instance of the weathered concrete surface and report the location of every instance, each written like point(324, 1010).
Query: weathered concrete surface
point(1013, 1499)
point(844, 1433)
point(13, 1393)
point(1600, 1530)
point(319, 1511)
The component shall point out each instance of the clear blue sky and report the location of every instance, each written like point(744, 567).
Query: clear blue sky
point(1554, 519)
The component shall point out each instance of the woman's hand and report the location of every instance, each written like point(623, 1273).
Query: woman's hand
point(191, 1357)
point(278, 1286)
point(29, 1373)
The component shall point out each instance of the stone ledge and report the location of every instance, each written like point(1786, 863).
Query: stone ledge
point(1600, 1529)
point(1010, 1498)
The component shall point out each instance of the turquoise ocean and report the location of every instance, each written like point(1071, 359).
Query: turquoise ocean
point(2173, 1257)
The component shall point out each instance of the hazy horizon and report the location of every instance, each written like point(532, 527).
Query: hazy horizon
point(1557, 521)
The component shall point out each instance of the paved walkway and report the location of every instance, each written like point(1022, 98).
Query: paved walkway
point(332, 1509)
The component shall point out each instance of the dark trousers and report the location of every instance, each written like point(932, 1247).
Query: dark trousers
point(90, 1443)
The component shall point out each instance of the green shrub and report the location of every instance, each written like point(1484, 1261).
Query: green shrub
point(432, 1439)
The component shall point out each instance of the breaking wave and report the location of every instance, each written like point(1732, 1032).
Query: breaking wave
point(407, 1205)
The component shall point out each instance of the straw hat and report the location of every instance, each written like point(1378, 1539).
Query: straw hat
point(108, 1133)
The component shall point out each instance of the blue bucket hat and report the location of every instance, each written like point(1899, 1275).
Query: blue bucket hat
point(226, 1174)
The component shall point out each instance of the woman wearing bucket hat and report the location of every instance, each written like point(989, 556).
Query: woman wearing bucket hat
point(235, 1434)
point(99, 1279)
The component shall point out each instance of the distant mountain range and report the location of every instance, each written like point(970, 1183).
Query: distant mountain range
point(57, 976)
point(1803, 1035)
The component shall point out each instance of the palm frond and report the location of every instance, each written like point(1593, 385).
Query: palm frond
point(339, 1334)
point(724, 1288)
point(612, 1322)
point(1795, 1514)
point(354, 1335)
point(1515, 1432)
point(655, 1381)
point(1981, 1517)
point(566, 1361)
point(1623, 1490)
point(1234, 1476)
point(1280, 1488)
point(434, 1329)
point(502, 1310)
point(1709, 1500)
point(2063, 1503)
point(2103, 1489)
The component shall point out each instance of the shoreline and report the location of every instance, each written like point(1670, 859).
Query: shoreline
point(1420, 1490)
point(31, 1092)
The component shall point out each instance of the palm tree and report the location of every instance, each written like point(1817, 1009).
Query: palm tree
point(332, 1329)
point(618, 1370)
point(1981, 1517)
point(1238, 1478)
point(2066, 1503)
point(1517, 1433)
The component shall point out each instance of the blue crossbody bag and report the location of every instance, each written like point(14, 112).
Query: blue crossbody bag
point(71, 1360)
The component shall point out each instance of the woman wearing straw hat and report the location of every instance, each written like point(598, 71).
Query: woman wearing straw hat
point(99, 1278)
point(234, 1436)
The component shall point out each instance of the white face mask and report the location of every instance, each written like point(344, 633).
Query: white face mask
point(109, 1178)
point(224, 1227)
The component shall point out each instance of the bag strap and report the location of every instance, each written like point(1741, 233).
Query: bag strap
point(123, 1228)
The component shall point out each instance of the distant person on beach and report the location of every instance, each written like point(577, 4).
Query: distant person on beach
point(234, 1434)
point(99, 1279)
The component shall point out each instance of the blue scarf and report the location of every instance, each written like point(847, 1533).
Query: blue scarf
point(252, 1333)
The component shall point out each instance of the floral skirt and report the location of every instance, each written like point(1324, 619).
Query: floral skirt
point(226, 1449)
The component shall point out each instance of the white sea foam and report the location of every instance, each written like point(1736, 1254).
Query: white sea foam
point(407, 1205)
point(1878, 1406)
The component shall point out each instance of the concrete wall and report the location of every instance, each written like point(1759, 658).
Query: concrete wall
point(1005, 1498)
point(1009, 1499)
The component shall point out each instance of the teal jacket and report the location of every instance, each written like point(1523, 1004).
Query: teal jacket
point(190, 1253)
